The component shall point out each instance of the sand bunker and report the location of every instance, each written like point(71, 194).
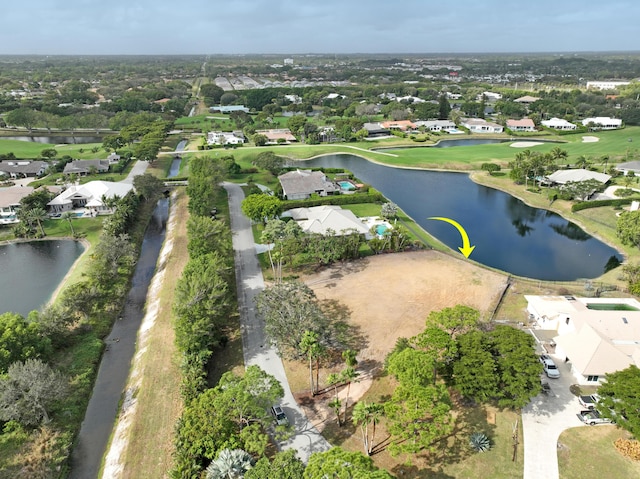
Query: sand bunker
point(525, 144)
point(590, 139)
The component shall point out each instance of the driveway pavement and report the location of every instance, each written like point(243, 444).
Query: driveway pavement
point(256, 349)
point(543, 420)
point(138, 169)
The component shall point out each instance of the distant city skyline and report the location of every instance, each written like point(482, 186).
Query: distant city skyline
point(143, 27)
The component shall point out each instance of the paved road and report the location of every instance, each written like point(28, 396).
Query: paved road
point(307, 439)
point(138, 169)
point(542, 422)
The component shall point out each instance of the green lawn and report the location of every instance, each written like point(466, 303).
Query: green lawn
point(27, 149)
point(364, 209)
point(589, 452)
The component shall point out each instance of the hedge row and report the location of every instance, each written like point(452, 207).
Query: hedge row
point(372, 197)
point(598, 203)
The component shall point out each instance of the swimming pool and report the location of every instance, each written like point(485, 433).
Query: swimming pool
point(380, 229)
point(346, 185)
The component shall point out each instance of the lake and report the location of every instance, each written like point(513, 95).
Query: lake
point(508, 234)
point(31, 272)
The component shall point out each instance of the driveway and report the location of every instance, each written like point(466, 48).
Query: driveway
point(138, 169)
point(256, 349)
point(543, 420)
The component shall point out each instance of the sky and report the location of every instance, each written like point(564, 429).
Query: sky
point(85, 27)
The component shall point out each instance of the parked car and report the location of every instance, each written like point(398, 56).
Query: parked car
point(588, 401)
point(550, 368)
point(279, 416)
point(593, 417)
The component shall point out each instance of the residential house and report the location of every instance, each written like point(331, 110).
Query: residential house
point(328, 219)
point(375, 130)
point(436, 125)
point(402, 125)
point(478, 125)
point(85, 167)
point(282, 135)
point(10, 202)
point(23, 168)
point(228, 109)
point(562, 177)
point(602, 123)
point(606, 85)
point(223, 138)
point(526, 100)
point(113, 158)
point(490, 96)
point(526, 124)
point(301, 184)
point(629, 166)
point(597, 336)
point(93, 196)
point(410, 99)
point(558, 124)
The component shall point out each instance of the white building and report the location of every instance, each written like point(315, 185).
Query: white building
point(478, 125)
point(91, 196)
point(328, 219)
point(558, 124)
point(436, 125)
point(525, 124)
point(596, 336)
point(489, 95)
point(223, 138)
point(603, 122)
point(606, 85)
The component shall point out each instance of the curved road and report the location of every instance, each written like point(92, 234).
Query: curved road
point(256, 349)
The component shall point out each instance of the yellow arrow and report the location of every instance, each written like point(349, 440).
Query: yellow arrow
point(466, 248)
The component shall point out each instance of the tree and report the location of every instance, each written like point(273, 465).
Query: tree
point(475, 370)
point(285, 465)
point(290, 308)
point(444, 108)
point(628, 228)
point(334, 379)
point(419, 416)
point(208, 236)
point(365, 414)
point(68, 216)
point(148, 186)
point(261, 207)
point(211, 93)
point(49, 153)
point(349, 375)
point(338, 463)
point(490, 168)
point(411, 366)
point(310, 345)
point(36, 215)
point(20, 340)
point(28, 391)
point(389, 210)
point(259, 139)
point(619, 399)
point(230, 464)
point(269, 161)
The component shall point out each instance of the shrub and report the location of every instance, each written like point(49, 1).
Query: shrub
point(480, 442)
point(628, 448)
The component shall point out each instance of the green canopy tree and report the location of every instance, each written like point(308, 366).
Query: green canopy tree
point(261, 207)
point(619, 399)
point(20, 340)
point(285, 465)
point(475, 370)
point(628, 228)
point(338, 463)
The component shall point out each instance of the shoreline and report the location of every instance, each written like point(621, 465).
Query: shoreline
point(473, 177)
point(65, 279)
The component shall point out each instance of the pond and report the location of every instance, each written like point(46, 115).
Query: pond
point(56, 140)
point(507, 234)
point(31, 272)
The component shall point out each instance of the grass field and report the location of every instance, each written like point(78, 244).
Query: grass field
point(589, 452)
point(27, 149)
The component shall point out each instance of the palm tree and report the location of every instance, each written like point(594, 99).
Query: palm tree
point(37, 215)
point(558, 153)
point(348, 375)
point(583, 162)
point(336, 405)
point(364, 414)
point(310, 345)
point(69, 215)
point(230, 464)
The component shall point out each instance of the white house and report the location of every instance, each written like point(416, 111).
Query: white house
point(436, 125)
point(606, 85)
point(328, 219)
point(526, 100)
point(491, 96)
point(562, 177)
point(558, 124)
point(10, 202)
point(223, 138)
point(478, 125)
point(596, 335)
point(526, 124)
point(91, 196)
point(603, 122)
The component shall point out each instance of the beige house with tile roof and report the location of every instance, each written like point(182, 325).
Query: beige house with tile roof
point(594, 340)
